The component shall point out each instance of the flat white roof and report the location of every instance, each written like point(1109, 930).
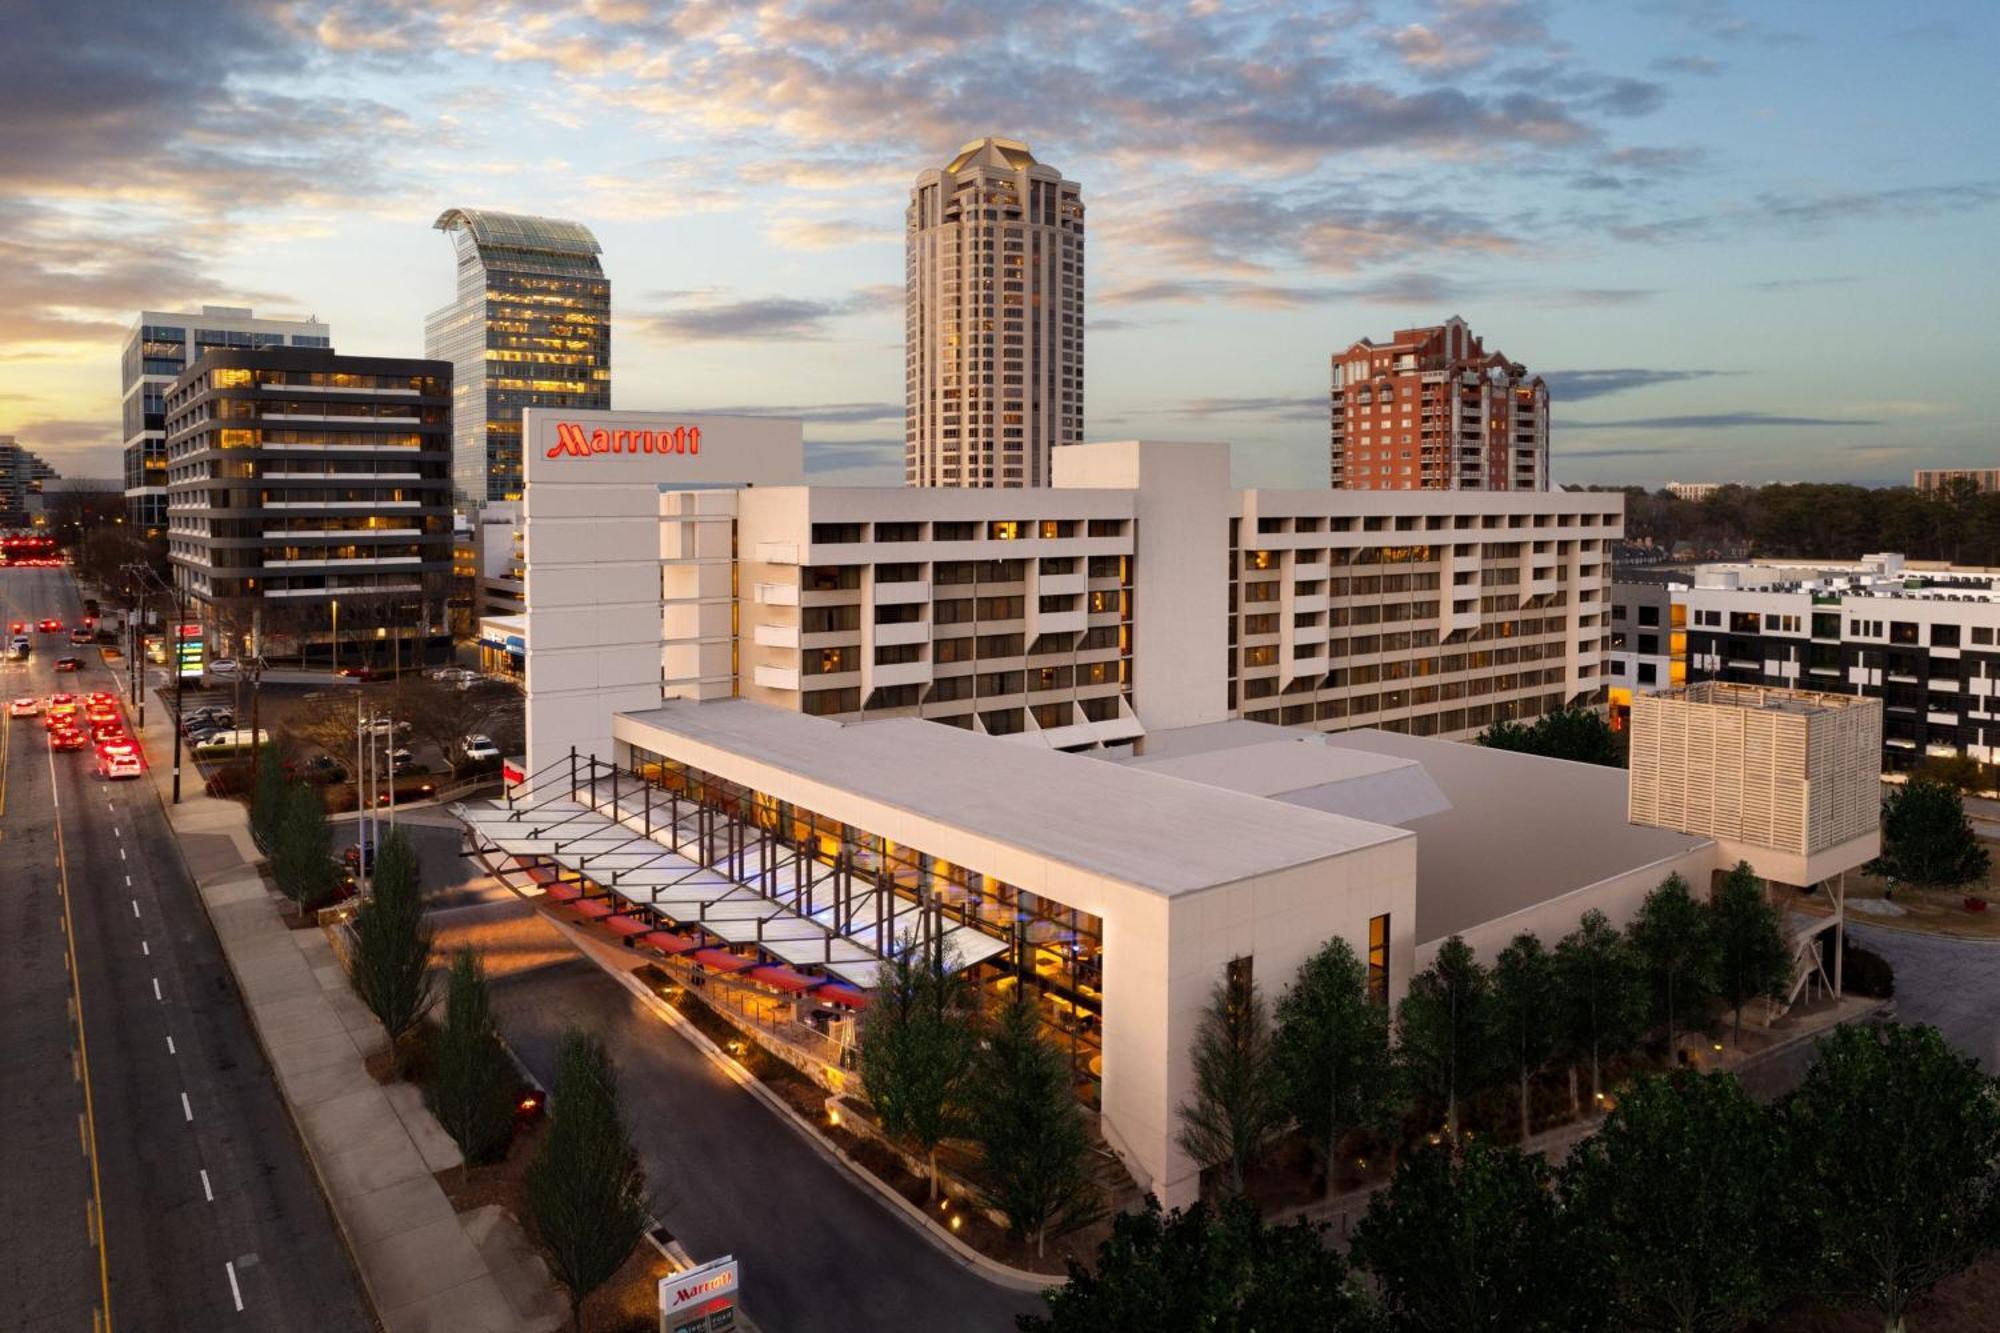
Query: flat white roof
point(1520, 830)
point(1295, 766)
point(1148, 830)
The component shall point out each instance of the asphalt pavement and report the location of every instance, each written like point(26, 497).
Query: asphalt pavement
point(150, 1166)
point(817, 1250)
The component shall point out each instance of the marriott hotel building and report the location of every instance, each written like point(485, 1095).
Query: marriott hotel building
point(1107, 737)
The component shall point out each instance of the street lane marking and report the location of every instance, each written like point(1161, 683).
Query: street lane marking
point(186, 1109)
point(207, 1190)
point(83, 1134)
point(121, 853)
point(170, 1047)
point(145, 948)
point(135, 907)
point(115, 833)
point(235, 1292)
point(83, 1057)
point(156, 990)
point(128, 881)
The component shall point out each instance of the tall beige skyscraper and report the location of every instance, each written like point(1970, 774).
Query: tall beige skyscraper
point(994, 319)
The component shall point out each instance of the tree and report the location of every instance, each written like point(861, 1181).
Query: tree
point(585, 1187)
point(1751, 958)
point(917, 1043)
point(1029, 1125)
point(267, 802)
point(1961, 772)
point(1330, 1052)
point(1473, 1244)
point(1679, 1191)
point(1602, 998)
point(1444, 1031)
point(1220, 1272)
point(1527, 1010)
point(471, 1084)
point(445, 715)
point(329, 722)
point(1235, 1108)
point(1926, 838)
point(390, 961)
point(1895, 1142)
point(302, 860)
point(1576, 734)
point(1671, 937)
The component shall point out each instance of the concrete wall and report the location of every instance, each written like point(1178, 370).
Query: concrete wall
point(592, 523)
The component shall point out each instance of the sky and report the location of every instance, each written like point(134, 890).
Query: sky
point(1745, 240)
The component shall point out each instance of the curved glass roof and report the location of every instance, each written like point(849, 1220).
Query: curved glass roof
point(519, 231)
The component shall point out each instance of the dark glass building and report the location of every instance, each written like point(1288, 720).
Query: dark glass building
point(531, 328)
point(309, 504)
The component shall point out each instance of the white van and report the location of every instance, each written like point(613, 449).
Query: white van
point(227, 744)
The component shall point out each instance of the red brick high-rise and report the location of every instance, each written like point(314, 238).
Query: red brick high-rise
point(1433, 410)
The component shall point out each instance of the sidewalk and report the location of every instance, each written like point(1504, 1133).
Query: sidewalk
point(373, 1148)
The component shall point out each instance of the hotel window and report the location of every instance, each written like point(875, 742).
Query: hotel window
point(1378, 958)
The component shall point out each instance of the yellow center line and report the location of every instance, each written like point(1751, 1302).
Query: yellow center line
point(83, 1053)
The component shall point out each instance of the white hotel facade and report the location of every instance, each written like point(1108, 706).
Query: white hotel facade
point(729, 676)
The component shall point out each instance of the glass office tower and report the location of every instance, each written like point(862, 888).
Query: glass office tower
point(531, 328)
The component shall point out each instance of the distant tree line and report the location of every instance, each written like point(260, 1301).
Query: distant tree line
point(1821, 520)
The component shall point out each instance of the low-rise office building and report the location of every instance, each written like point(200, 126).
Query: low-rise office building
point(1919, 636)
point(309, 513)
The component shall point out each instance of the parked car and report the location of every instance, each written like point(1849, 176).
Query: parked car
point(25, 706)
point(209, 716)
point(322, 770)
point(401, 761)
point(69, 664)
point(229, 742)
point(118, 759)
point(480, 750)
point(363, 673)
point(384, 726)
point(224, 667)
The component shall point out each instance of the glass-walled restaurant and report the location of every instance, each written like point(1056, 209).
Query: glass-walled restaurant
point(1053, 950)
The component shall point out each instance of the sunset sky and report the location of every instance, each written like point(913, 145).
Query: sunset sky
point(1745, 241)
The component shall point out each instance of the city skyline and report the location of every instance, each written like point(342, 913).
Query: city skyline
point(1678, 212)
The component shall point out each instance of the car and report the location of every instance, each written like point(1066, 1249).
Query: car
point(67, 738)
point(383, 726)
point(210, 719)
point(59, 714)
point(100, 712)
point(100, 697)
point(322, 770)
point(224, 666)
point(118, 759)
point(81, 638)
point(25, 706)
point(17, 627)
point(101, 732)
point(69, 664)
point(50, 627)
point(199, 734)
point(480, 750)
point(228, 743)
point(61, 697)
point(363, 673)
point(21, 646)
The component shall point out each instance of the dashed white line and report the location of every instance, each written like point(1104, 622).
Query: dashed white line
point(235, 1292)
point(207, 1190)
point(145, 948)
point(121, 853)
point(116, 832)
point(128, 881)
point(187, 1109)
point(170, 1047)
point(156, 990)
point(135, 907)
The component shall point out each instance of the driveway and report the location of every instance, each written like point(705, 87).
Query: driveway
point(1952, 984)
point(731, 1178)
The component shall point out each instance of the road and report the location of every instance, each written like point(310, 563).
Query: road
point(151, 1171)
point(732, 1178)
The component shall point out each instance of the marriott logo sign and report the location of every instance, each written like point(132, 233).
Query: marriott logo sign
point(573, 441)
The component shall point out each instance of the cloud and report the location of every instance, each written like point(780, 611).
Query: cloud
point(1396, 289)
point(703, 317)
point(820, 413)
point(1593, 296)
point(1465, 34)
point(1778, 285)
point(1703, 66)
point(1718, 421)
point(1642, 452)
point(1575, 386)
point(75, 447)
point(880, 461)
point(801, 233)
point(1277, 409)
